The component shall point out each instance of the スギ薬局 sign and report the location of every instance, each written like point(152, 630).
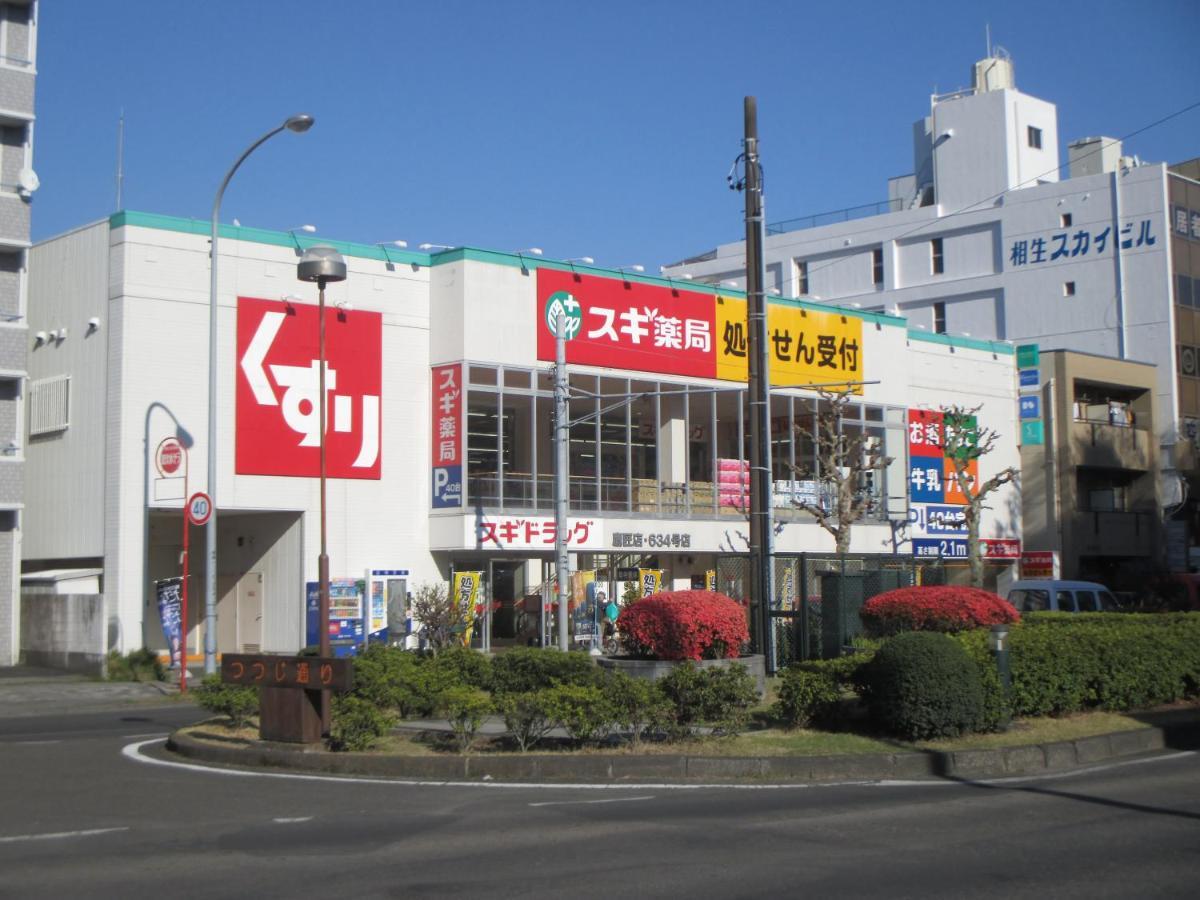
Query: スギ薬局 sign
point(278, 393)
point(648, 328)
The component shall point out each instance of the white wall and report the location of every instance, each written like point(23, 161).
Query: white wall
point(161, 293)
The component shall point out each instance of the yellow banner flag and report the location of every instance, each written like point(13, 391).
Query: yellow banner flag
point(805, 346)
point(466, 592)
point(650, 580)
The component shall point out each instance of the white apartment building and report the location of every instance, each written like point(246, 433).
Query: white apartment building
point(986, 239)
point(18, 72)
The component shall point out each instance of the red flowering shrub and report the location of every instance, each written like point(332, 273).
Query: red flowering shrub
point(684, 625)
point(945, 608)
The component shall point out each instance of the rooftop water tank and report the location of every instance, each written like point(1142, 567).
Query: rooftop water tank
point(995, 73)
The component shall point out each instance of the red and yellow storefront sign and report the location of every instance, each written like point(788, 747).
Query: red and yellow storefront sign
point(667, 331)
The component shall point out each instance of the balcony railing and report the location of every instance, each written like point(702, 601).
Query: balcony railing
point(643, 497)
point(1104, 445)
point(838, 215)
point(1114, 533)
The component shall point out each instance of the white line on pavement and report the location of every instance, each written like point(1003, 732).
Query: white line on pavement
point(33, 743)
point(152, 734)
point(585, 802)
point(59, 834)
point(133, 752)
point(283, 820)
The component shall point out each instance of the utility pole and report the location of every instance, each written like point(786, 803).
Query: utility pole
point(562, 483)
point(762, 555)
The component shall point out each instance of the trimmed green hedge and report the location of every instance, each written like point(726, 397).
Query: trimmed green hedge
point(922, 684)
point(1068, 662)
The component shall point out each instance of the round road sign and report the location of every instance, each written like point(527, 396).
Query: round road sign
point(169, 457)
point(199, 508)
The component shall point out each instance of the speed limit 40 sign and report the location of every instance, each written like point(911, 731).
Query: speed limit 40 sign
point(199, 508)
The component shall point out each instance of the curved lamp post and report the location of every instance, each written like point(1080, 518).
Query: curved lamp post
point(322, 264)
point(299, 124)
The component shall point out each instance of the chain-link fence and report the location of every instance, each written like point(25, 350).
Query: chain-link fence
point(818, 596)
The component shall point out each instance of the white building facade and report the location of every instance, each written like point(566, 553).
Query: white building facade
point(440, 445)
point(18, 73)
point(984, 239)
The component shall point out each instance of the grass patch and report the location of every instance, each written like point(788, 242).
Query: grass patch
point(1040, 731)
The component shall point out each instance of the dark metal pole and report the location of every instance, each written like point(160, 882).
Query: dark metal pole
point(762, 588)
point(323, 559)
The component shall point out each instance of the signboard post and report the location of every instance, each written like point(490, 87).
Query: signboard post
point(1040, 564)
point(290, 691)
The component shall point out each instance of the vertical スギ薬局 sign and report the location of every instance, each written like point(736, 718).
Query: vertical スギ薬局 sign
point(278, 391)
point(447, 458)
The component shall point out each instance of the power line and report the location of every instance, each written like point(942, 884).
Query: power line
point(975, 205)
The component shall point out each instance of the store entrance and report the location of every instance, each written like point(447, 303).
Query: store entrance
point(507, 580)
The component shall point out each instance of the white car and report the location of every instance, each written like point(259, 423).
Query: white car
point(1061, 596)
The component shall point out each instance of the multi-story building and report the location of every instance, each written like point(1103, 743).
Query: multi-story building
point(18, 70)
point(985, 239)
point(440, 442)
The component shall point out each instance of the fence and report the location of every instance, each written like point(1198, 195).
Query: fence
point(818, 596)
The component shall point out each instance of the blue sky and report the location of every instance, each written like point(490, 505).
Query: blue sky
point(599, 129)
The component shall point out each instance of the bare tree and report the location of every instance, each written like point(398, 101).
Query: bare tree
point(846, 465)
point(964, 443)
point(438, 614)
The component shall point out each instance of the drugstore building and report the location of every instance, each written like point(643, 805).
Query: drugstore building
point(440, 442)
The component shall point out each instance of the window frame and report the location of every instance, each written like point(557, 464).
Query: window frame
point(1033, 137)
point(937, 256)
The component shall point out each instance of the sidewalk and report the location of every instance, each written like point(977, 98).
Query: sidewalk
point(33, 691)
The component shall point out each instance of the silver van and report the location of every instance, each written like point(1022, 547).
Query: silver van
point(1061, 596)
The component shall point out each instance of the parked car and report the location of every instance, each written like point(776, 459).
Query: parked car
point(1061, 596)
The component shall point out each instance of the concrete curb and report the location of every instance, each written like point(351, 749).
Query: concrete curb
point(1035, 759)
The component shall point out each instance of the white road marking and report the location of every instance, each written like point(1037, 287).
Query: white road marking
point(34, 743)
point(152, 734)
point(584, 802)
point(133, 752)
point(57, 835)
point(283, 820)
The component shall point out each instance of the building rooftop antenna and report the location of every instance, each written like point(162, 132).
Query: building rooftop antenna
point(120, 156)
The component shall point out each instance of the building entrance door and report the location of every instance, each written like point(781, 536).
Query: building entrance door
point(240, 613)
point(507, 581)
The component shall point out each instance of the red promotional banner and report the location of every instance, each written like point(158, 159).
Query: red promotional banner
point(1001, 548)
point(627, 325)
point(924, 432)
point(278, 372)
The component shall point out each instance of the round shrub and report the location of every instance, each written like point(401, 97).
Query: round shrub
point(719, 696)
point(945, 608)
point(357, 723)
point(680, 625)
point(238, 702)
point(805, 697)
point(923, 685)
point(524, 669)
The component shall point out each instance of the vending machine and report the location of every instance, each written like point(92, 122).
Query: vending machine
point(345, 615)
point(391, 619)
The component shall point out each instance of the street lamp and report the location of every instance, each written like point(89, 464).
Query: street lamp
point(322, 264)
point(998, 644)
point(299, 124)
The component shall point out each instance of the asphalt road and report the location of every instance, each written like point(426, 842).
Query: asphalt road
point(81, 818)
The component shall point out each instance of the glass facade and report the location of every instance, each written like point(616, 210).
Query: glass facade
point(648, 447)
